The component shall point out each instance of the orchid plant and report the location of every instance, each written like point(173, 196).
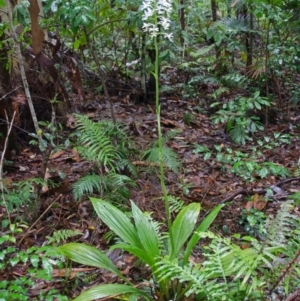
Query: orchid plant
point(141, 235)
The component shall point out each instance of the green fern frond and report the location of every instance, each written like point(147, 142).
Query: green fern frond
point(116, 131)
point(232, 273)
point(62, 235)
point(176, 204)
point(97, 145)
point(116, 181)
point(112, 184)
point(170, 135)
point(191, 275)
point(125, 164)
point(87, 185)
point(169, 157)
point(238, 133)
point(296, 196)
point(54, 254)
point(280, 226)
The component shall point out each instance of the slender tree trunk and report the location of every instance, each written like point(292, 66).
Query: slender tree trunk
point(214, 9)
point(22, 70)
point(250, 40)
point(181, 15)
point(143, 67)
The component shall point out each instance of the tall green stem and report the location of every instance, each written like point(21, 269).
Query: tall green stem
point(160, 144)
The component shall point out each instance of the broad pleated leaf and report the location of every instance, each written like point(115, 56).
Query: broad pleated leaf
point(117, 221)
point(146, 232)
point(108, 290)
point(90, 256)
point(137, 252)
point(208, 220)
point(183, 227)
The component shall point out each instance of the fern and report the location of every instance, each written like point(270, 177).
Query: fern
point(169, 157)
point(176, 204)
point(126, 165)
point(230, 272)
point(97, 145)
point(62, 235)
point(86, 185)
point(104, 143)
point(197, 282)
point(238, 133)
point(112, 183)
point(169, 135)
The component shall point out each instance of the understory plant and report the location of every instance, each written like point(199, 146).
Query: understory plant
point(240, 117)
point(143, 238)
point(108, 146)
point(24, 268)
point(247, 166)
point(23, 194)
point(247, 270)
point(226, 270)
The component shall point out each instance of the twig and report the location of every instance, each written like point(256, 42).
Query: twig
point(2, 160)
point(10, 92)
point(39, 218)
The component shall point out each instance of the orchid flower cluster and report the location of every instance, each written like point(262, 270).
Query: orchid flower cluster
point(157, 13)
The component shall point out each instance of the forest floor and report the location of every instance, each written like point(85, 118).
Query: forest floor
point(203, 180)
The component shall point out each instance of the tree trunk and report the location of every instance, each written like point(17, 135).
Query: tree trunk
point(214, 10)
point(181, 15)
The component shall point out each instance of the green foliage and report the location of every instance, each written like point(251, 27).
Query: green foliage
point(34, 264)
point(229, 272)
point(295, 197)
point(110, 185)
point(23, 193)
point(62, 235)
point(176, 204)
point(169, 157)
point(96, 143)
point(253, 221)
point(76, 13)
point(248, 169)
point(140, 237)
point(247, 166)
point(104, 144)
point(49, 137)
point(235, 114)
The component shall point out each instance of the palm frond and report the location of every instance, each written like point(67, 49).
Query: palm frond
point(235, 25)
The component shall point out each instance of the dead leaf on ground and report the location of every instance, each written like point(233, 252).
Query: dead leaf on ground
point(57, 154)
point(258, 202)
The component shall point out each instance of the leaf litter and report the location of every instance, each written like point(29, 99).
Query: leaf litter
point(205, 181)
